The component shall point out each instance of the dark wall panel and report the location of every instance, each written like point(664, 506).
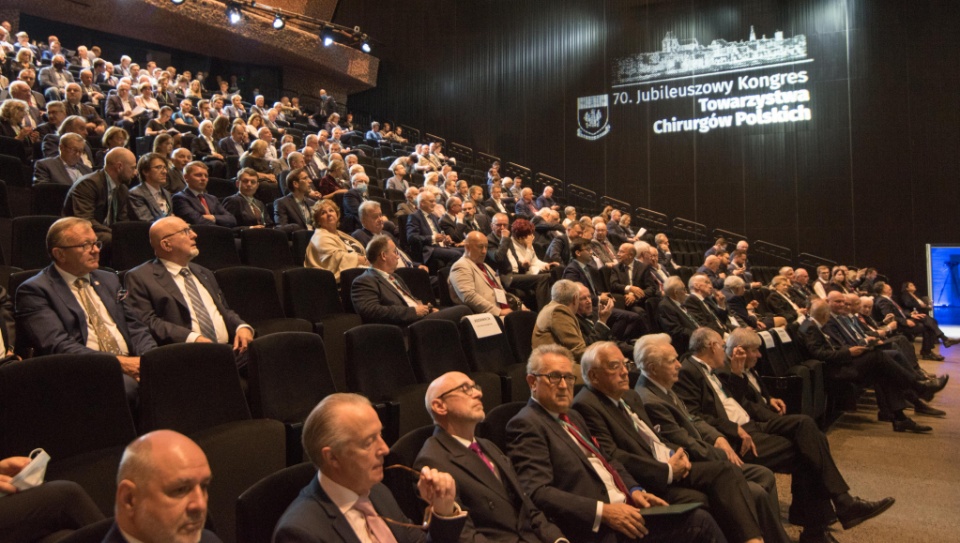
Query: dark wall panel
point(868, 180)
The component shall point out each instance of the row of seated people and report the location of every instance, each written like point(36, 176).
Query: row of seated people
point(572, 466)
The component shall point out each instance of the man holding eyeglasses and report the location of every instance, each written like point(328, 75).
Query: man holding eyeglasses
point(573, 479)
point(616, 416)
point(101, 197)
point(487, 485)
point(179, 301)
point(73, 307)
point(345, 501)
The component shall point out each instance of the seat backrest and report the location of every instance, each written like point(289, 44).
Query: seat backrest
point(300, 240)
point(443, 282)
point(48, 198)
point(260, 507)
point(773, 361)
point(519, 327)
point(131, 244)
point(217, 247)
point(346, 282)
point(310, 293)
point(251, 292)
point(376, 361)
point(14, 171)
point(494, 425)
point(265, 248)
point(400, 481)
point(288, 376)
point(189, 387)
point(28, 241)
point(66, 404)
point(435, 349)
point(419, 283)
point(491, 353)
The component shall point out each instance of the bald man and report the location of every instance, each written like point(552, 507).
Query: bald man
point(487, 485)
point(473, 283)
point(179, 301)
point(162, 489)
point(101, 197)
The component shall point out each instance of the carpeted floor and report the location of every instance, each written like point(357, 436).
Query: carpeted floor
point(921, 471)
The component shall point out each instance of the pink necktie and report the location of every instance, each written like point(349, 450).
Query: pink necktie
point(475, 447)
point(378, 529)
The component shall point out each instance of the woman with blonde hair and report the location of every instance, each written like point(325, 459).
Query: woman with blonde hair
point(331, 249)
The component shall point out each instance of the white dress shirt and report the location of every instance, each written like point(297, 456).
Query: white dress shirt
point(92, 342)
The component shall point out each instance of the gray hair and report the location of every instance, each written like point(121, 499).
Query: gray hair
point(733, 282)
point(701, 337)
point(696, 278)
point(641, 247)
point(672, 286)
point(367, 208)
point(591, 355)
point(742, 337)
point(565, 292)
point(323, 429)
point(535, 362)
point(646, 342)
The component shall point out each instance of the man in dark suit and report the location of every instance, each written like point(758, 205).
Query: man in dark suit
point(633, 278)
point(452, 221)
point(292, 212)
point(50, 145)
point(911, 323)
point(572, 479)
point(235, 144)
point(194, 205)
point(487, 485)
point(249, 211)
point(625, 325)
point(373, 224)
point(350, 220)
point(145, 509)
point(56, 113)
point(66, 168)
point(787, 443)
point(150, 200)
point(861, 364)
point(121, 107)
point(673, 316)
point(180, 302)
point(701, 305)
point(616, 417)
point(559, 248)
point(496, 203)
point(546, 199)
point(379, 296)
point(711, 268)
point(525, 207)
point(423, 229)
point(342, 438)
point(72, 307)
point(101, 197)
point(474, 220)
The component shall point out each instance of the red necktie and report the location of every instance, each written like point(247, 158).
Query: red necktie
point(592, 446)
point(203, 202)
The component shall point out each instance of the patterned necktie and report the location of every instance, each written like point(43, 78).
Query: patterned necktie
point(106, 341)
point(594, 449)
point(475, 447)
point(207, 328)
point(400, 287)
point(377, 529)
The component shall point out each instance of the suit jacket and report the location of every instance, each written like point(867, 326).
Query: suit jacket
point(675, 322)
point(287, 215)
point(228, 147)
point(737, 306)
point(704, 314)
point(483, 224)
point(377, 301)
point(449, 226)
point(187, 206)
point(350, 220)
point(47, 77)
point(781, 307)
point(86, 111)
point(200, 148)
point(820, 346)
point(490, 204)
point(52, 170)
point(233, 112)
point(615, 432)
point(50, 145)
point(313, 517)
point(469, 287)
point(559, 250)
point(51, 320)
point(556, 323)
point(525, 210)
point(418, 230)
point(677, 424)
point(238, 206)
point(642, 278)
point(114, 536)
point(755, 403)
point(88, 199)
point(884, 306)
point(115, 106)
point(556, 473)
point(698, 397)
point(332, 252)
point(714, 277)
point(142, 206)
point(500, 511)
point(155, 300)
point(576, 273)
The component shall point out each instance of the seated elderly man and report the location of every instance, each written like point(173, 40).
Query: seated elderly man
point(487, 484)
point(912, 323)
point(704, 305)
point(557, 321)
point(711, 268)
point(423, 229)
point(780, 302)
point(616, 417)
point(345, 501)
point(379, 296)
point(73, 307)
point(764, 435)
point(179, 301)
point(67, 167)
point(474, 284)
point(146, 509)
point(373, 224)
point(746, 313)
point(673, 316)
point(573, 479)
point(330, 249)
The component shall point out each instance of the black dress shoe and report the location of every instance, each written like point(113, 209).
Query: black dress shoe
point(949, 342)
point(931, 356)
point(908, 425)
point(861, 510)
point(816, 536)
point(921, 408)
point(930, 387)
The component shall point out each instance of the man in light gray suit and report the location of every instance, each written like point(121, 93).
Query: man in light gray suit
point(65, 168)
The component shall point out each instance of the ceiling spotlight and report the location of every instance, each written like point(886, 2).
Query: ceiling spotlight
point(233, 14)
point(365, 46)
point(326, 36)
point(178, 2)
point(278, 22)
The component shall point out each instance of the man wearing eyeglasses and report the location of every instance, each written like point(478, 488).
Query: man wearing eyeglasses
point(73, 307)
point(616, 416)
point(101, 197)
point(180, 301)
point(487, 485)
point(787, 443)
point(66, 168)
point(345, 501)
point(573, 479)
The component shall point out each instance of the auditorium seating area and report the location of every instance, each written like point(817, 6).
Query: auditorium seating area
point(310, 341)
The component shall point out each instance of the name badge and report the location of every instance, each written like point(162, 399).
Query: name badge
point(501, 295)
